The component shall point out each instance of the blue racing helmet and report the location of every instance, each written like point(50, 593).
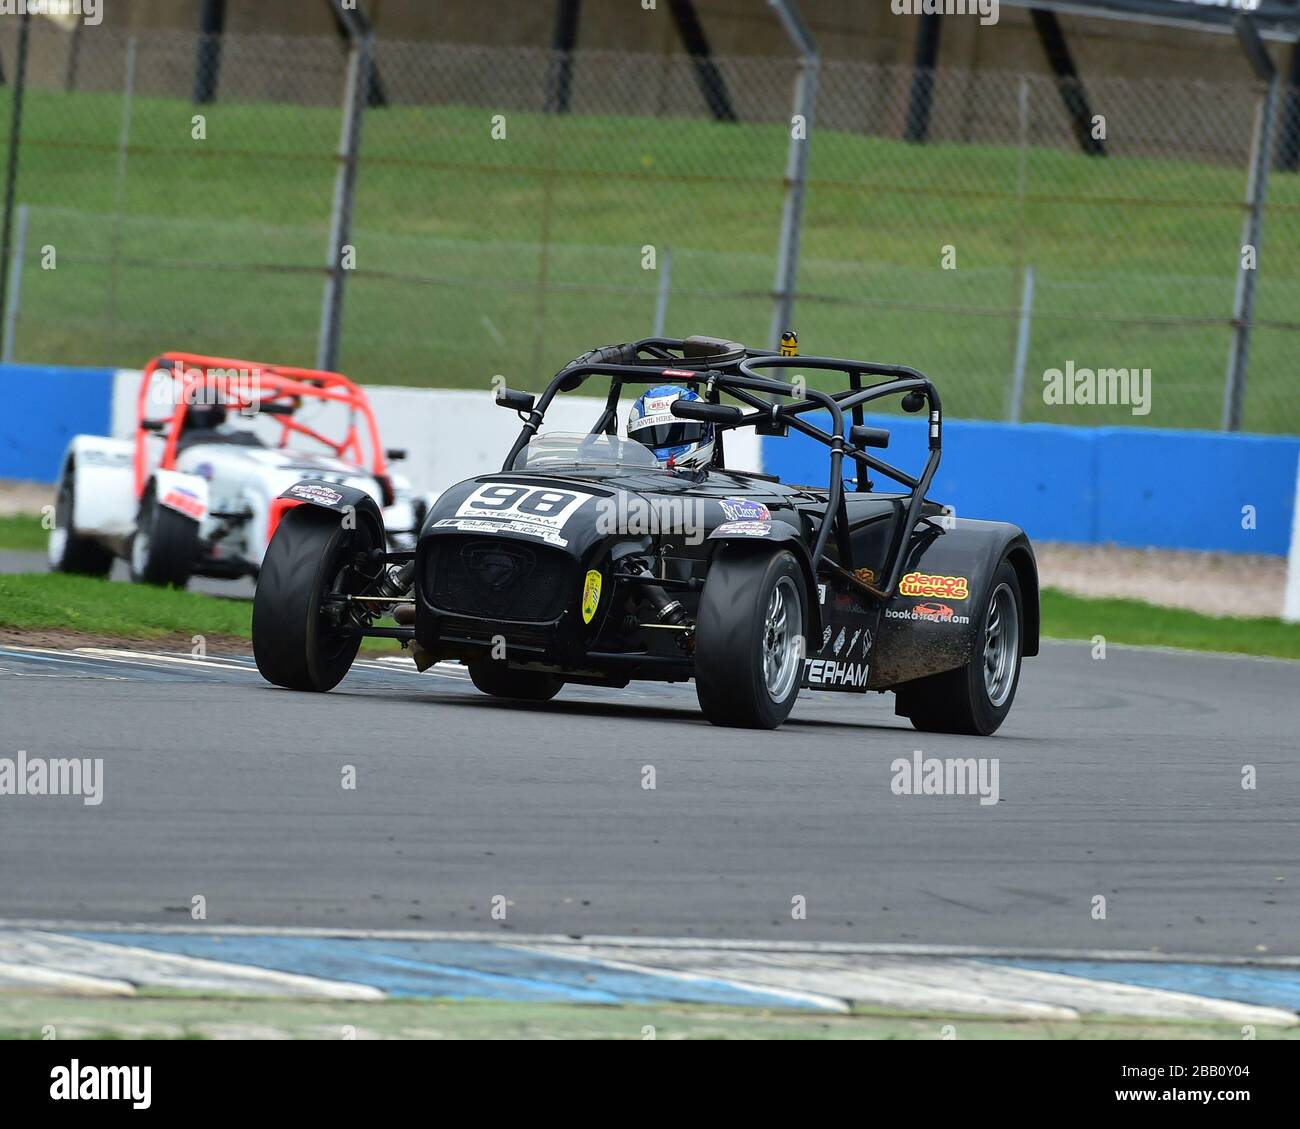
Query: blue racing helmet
point(674, 442)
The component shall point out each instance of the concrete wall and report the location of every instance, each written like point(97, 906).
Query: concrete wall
point(448, 435)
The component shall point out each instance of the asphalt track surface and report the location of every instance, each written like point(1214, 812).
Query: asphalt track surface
point(1118, 777)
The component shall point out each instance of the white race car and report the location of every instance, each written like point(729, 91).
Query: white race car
point(217, 441)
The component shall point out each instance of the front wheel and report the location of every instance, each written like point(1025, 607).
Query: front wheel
point(976, 698)
point(749, 639)
point(300, 640)
point(68, 550)
point(164, 544)
point(500, 681)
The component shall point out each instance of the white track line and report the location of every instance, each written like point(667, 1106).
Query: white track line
point(83, 656)
point(158, 657)
point(44, 656)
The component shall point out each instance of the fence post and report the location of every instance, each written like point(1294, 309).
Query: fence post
point(1022, 346)
point(15, 132)
point(796, 170)
point(13, 300)
point(661, 292)
point(1261, 152)
point(119, 189)
point(345, 181)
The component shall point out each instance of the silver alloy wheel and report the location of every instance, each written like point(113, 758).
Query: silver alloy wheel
point(140, 543)
point(57, 545)
point(58, 542)
point(1001, 645)
point(782, 627)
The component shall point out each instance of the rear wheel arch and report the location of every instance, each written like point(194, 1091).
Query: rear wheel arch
point(1022, 560)
point(961, 700)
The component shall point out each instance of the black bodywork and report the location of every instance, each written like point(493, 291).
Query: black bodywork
point(503, 563)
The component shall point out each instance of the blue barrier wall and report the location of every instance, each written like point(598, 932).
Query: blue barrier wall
point(1122, 485)
point(1139, 487)
point(46, 407)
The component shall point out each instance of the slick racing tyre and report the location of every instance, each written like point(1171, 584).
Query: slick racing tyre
point(500, 681)
point(749, 639)
point(299, 640)
point(975, 698)
point(68, 550)
point(164, 544)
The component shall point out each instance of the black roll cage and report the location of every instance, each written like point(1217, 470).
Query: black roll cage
point(732, 370)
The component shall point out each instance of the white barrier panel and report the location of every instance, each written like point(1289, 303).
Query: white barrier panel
point(448, 435)
point(1291, 603)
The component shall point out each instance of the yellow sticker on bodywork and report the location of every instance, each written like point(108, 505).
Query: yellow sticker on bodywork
point(590, 596)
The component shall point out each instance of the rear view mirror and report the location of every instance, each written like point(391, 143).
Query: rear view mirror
point(709, 413)
point(518, 401)
point(863, 436)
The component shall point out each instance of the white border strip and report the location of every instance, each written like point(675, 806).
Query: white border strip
point(509, 937)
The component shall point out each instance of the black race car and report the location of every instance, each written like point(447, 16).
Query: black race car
point(587, 560)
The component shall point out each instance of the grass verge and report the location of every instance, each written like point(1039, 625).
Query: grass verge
point(477, 257)
point(22, 1016)
point(35, 601)
point(1134, 622)
point(54, 603)
point(22, 531)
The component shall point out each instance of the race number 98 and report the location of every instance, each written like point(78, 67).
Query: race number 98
point(536, 505)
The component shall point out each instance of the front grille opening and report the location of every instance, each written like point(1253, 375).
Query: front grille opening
point(497, 578)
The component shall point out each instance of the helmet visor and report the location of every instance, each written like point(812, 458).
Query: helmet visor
point(668, 433)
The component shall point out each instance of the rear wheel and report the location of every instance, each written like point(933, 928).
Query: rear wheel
point(975, 698)
point(500, 681)
point(749, 639)
point(300, 639)
point(68, 550)
point(164, 544)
